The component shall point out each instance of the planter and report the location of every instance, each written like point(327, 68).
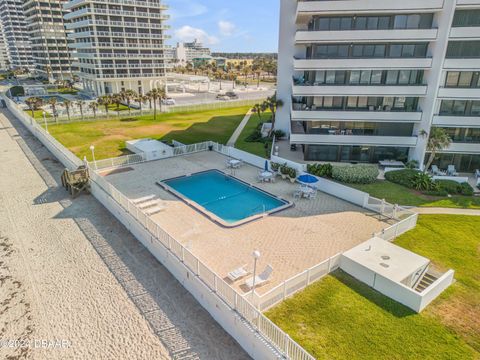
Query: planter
point(292, 180)
point(284, 176)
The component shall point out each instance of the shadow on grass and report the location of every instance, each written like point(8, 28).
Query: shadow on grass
point(389, 305)
point(218, 128)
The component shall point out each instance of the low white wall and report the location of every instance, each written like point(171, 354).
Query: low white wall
point(358, 271)
point(441, 284)
point(398, 292)
point(247, 337)
point(299, 167)
point(352, 195)
point(457, 179)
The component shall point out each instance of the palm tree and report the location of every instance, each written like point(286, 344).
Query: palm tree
point(33, 104)
point(155, 94)
point(80, 104)
point(105, 101)
point(67, 104)
point(258, 109)
point(93, 106)
point(246, 70)
point(273, 104)
point(117, 100)
point(53, 104)
point(128, 96)
point(438, 140)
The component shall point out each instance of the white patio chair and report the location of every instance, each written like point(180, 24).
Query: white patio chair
point(261, 279)
point(297, 194)
point(451, 171)
point(312, 195)
point(238, 273)
point(437, 171)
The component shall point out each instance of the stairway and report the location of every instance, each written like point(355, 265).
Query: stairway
point(151, 205)
point(425, 282)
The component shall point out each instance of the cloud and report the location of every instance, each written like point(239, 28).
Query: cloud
point(189, 33)
point(226, 28)
point(187, 8)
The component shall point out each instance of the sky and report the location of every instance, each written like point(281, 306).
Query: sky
point(226, 26)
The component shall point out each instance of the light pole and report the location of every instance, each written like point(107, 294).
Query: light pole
point(45, 120)
point(92, 148)
point(256, 256)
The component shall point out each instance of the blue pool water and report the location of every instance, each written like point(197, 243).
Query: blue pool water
point(226, 197)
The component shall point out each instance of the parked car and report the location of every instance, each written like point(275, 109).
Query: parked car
point(168, 101)
point(231, 95)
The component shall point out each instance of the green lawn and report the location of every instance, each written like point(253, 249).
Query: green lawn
point(256, 148)
point(398, 194)
point(341, 318)
point(38, 114)
point(109, 136)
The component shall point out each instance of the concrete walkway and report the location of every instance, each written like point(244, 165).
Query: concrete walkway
point(239, 129)
point(448, 211)
point(70, 271)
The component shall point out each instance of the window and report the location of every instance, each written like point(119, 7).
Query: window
point(465, 18)
point(465, 79)
point(463, 49)
point(392, 77)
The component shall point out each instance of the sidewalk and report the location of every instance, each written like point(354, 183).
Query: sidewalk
point(239, 129)
point(448, 211)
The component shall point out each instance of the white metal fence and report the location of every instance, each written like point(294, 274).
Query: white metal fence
point(218, 286)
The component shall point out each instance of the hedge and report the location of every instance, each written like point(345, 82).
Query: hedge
point(355, 174)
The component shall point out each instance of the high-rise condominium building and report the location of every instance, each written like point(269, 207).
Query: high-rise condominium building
point(16, 37)
point(45, 24)
point(120, 44)
point(365, 80)
point(4, 62)
point(185, 52)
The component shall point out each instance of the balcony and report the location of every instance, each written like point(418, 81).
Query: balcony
point(375, 116)
point(467, 148)
point(363, 64)
point(305, 9)
point(393, 35)
point(456, 121)
point(459, 93)
point(465, 33)
point(400, 141)
point(461, 64)
point(358, 90)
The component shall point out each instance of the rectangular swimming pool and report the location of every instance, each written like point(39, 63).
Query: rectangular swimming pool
point(231, 201)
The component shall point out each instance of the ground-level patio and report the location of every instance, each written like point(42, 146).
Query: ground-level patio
point(290, 241)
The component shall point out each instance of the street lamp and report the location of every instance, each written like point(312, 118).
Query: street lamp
point(92, 148)
point(45, 120)
point(256, 256)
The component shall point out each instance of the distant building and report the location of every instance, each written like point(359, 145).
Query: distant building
point(4, 62)
point(51, 55)
point(18, 46)
point(120, 44)
point(187, 51)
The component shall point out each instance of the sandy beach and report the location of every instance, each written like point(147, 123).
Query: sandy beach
point(74, 284)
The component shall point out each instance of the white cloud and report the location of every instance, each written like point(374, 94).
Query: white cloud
point(226, 28)
point(187, 8)
point(189, 33)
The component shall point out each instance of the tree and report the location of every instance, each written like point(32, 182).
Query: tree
point(128, 96)
point(93, 106)
point(53, 105)
point(67, 104)
point(80, 104)
point(117, 100)
point(156, 94)
point(258, 109)
point(33, 103)
point(105, 101)
point(273, 104)
point(438, 140)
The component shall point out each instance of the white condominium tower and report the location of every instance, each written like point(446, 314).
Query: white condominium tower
point(362, 80)
point(185, 52)
point(120, 44)
point(51, 55)
point(15, 33)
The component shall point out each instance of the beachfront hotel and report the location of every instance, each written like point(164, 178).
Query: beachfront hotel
point(361, 81)
point(51, 55)
point(15, 34)
point(119, 44)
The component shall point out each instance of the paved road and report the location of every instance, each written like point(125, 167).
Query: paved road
point(210, 97)
point(71, 271)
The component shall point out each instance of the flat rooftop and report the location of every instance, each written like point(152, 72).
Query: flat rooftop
point(398, 263)
point(291, 241)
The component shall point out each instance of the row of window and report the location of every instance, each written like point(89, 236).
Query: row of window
point(329, 51)
point(460, 107)
point(464, 135)
point(351, 153)
point(357, 128)
point(463, 49)
point(465, 18)
point(383, 22)
point(363, 77)
point(462, 79)
point(371, 103)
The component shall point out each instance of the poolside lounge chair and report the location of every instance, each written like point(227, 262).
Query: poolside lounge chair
point(260, 279)
point(451, 171)
point(238, 273)
point(437, 171)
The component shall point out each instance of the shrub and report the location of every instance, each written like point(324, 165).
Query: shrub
point(284, 169)
point(453, 188)
point(412, 164)
point(322, 170)
point(402, 177)
point(279, 134)
point(292, 172)
point(355, 174)
point(275, 166)
point(17, 91)
point(423, 182)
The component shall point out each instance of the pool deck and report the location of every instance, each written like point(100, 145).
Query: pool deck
point(291, 240)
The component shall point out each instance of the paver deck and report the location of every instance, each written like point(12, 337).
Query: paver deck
point(291, 240)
